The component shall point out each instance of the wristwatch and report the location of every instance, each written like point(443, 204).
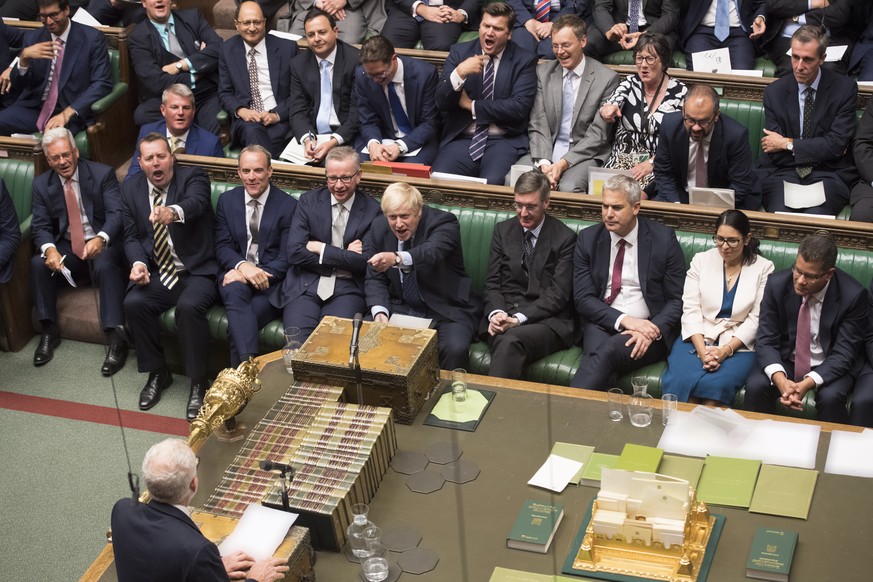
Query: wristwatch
point(790, 145)
point(178, 65)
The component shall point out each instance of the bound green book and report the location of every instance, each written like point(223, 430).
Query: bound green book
point(687, 468)
point(580, 453)
point(784, 491)
point(771, 554)
point(591, 470)
point(506, 575)
point(535, 526)
point(639, 458)
point(727, 481)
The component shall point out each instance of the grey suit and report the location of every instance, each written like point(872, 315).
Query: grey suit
point(590, 136)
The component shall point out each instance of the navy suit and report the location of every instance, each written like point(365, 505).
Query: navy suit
point(306, 89)
point(199, 143)
point(148, 54)
point(248, 310)
point(833, 127)
point(444, 286)
point(862, 53)
point(729, 165)
point(404, 31)
point(542, 294)
point(842, 329)
point(661, 266)
point(85, 77)
point(312, 221)
point(10, 233)
point(694, 37)
point(157, 541)
point(102, 204)
point(419, 84)
point(524, 10)
point(195, 291)
point(862, 193)
point(234, 91)
point(515, 87)
point(662, 17)
point(10, 38)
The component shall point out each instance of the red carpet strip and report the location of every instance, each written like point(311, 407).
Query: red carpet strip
point(91, 413)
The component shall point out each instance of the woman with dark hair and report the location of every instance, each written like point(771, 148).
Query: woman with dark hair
point(723, 292)
point(640, 102)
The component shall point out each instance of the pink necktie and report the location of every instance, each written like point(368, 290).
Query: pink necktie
point(615, 285)
point(700, 177)
point(77, 231)
point(48, 107)
point(802, 342)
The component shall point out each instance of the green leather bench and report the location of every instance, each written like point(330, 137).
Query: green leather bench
point(476, 229)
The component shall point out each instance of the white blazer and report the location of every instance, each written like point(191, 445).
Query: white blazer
point(703, 295)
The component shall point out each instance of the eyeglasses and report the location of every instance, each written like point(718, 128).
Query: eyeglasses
point(380, 77)
point(343, 179)
point(61, 156)
point(53, 16)
point(649, 59)
point(703, 123)
point(808, 276)
point(529, 207)
point(731, 242)
point(248, 23)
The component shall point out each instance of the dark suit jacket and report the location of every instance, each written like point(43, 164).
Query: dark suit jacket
point(312, 221)
point(837, 17)
point(524, 10)
point(543, 294)
point(419, 85)
point(865, 42)
point(863, 148)
point(749, 11)
point(192, 240)
point(10, 233)
point(662, 15)
point(231, 232)
point(306, 91)
point(515, 88)
point(200, 142)
point(842, 329)
point(100, 196)
point(438, 261)
point(156, 541)
point(86, 75)
point(148, 55)
point(234, 89)
point(730, 161)
point(10, 38)
point(662, 276)
point(473, 8)
point(833, 121)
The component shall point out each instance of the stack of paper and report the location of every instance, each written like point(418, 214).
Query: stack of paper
point(555, 474)
point(851, 453)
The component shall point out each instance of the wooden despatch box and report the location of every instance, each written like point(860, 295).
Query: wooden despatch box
point(400, 366)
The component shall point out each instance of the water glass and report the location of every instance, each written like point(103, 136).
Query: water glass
point(375, 568)
point(639, 408)
point(356, 530)
point(669, 405)
point(640, 384)
point(459, 385)
point(615, 398)
point(292, 345)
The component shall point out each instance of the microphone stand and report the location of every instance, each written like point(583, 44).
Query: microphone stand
point(284, 477)
point(355, 364)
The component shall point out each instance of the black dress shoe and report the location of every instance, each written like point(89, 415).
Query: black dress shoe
point(45, 351)
point(115, 357)
point(195, 399)
point(151, 393)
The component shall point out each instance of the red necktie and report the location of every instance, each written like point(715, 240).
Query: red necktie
point(802, 342)
point(615, 286)
point(77, 231)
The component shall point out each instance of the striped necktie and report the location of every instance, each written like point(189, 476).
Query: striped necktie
point(480, 136)
point(168, 275)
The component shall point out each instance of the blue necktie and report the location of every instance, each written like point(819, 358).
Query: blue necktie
point(562, 142)
point(722, 20)
point(322, 120)
point(397, 110)
point(633, 14)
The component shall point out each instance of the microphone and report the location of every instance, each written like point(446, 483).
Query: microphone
point(356, 331)
point(268, 465)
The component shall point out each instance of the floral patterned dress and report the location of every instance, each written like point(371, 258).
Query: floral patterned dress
point(637, 131)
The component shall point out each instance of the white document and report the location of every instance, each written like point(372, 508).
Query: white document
point(597, 177)
point(286, 35)
point(259, 532)
point(712, 197)
point(401, 320)
point(807, 214)
point(457, 177)
point(800, 196)
point(714, 61)
point(833, 54)
point(515, 172)
point(82, 16)
point(294, 152)
point(850, 453)
point(68, 276)
point(555, 474)
point(366, 150)
point(865, 84)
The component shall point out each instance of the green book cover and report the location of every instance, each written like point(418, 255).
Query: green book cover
point(591, 471)
point(726, 481)
point(535, 526)
point(771, 554)
point(580, 453)
point(785, 491)
point(687, 468)
point(506, 575)
point(639, 458)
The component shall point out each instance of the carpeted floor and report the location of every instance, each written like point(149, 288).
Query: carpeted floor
point(63, 464)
